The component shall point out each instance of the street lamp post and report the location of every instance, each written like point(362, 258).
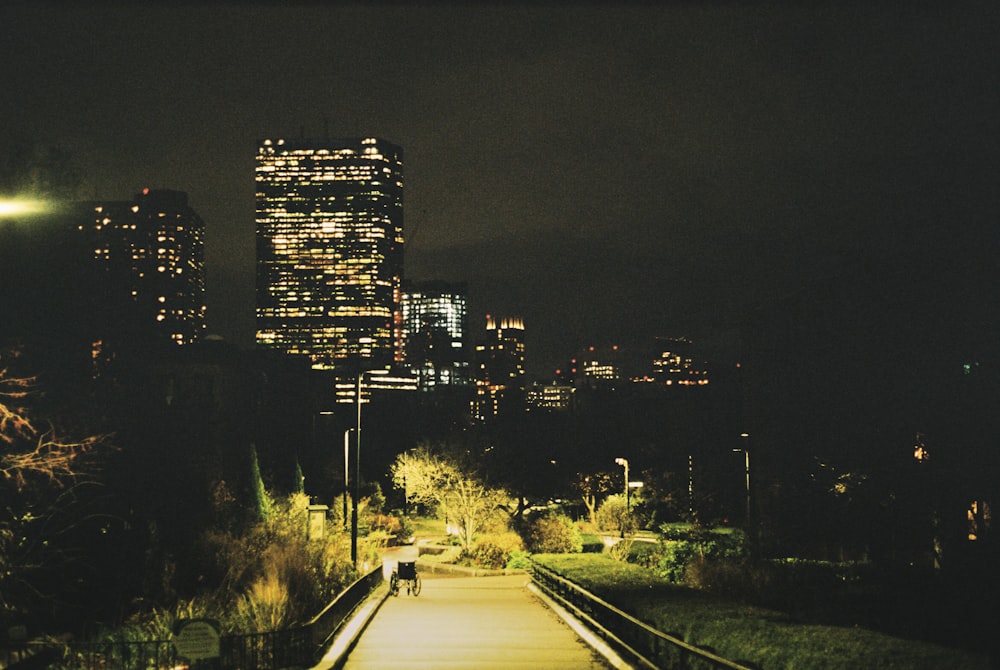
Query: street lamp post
point(347, 434)
point(347, 481)
point(746, 455)
point(624, 463)
point(691, 487)
point(407, 464)
point(357, 478)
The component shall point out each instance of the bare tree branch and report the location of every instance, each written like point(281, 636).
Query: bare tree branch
point(28, 452)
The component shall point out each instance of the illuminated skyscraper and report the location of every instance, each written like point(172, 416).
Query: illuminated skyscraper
point(330, 251)
point(150, 259)
point(434, 324)
point(500, 367)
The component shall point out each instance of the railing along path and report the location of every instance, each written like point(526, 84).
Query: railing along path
point(640, 643)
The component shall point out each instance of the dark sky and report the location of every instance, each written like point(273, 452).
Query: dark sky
point(607, 171)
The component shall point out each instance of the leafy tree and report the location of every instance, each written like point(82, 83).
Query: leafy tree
point(613, 515)
point(420, 473)
point(592, 489)
point(474, 505)
point(298, 479)
point(457, 493)
point(261, 499)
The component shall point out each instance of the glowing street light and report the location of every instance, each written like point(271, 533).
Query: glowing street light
point(624, 463)
point(746, 455)
point(22, 207)
point(357, 471)
point(346, 471)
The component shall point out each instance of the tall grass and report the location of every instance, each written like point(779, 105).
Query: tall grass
point(266, 604)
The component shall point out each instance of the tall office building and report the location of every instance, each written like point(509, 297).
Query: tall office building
point(499, 367)
point(149, 257)
point(434, 315)
point(330, 251)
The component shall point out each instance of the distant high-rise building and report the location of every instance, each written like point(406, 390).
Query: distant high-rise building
point(599, 367)
point(150, 260)
point(550, 397)
point(593, 367)
point(434, 314)
point(675, 364)
point(330, 251)
point(499, 366)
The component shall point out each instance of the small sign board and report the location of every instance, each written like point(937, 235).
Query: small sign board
point(17, 634)
point(196, 639)
point(317, 522)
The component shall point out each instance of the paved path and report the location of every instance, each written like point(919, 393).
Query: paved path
point(470, 622)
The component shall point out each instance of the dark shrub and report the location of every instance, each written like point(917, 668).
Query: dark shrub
point(592, 543)
point(553, 534)
point(493, 551)
point(681, 546)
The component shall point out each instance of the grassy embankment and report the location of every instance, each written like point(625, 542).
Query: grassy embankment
point(767, 638)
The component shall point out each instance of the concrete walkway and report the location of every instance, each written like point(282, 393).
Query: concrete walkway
point(470, 622)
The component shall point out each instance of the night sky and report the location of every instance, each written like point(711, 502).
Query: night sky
point(609, 172)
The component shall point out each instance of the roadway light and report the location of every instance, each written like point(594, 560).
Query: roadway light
point(746, 454)
point(347, 479)
point(347, 434)
point(624, 463)
point(22, 207)
point(357, 473)
point(357, 479)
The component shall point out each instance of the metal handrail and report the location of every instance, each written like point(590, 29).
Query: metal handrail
point(333, 617)
point(645, 645)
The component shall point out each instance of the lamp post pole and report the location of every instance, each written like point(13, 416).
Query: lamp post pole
point(347, 480)
point(628, 507)
point(357, 478)
point(746, 456)
point(691, 487)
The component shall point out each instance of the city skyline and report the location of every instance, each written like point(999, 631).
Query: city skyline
point(608, 173)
